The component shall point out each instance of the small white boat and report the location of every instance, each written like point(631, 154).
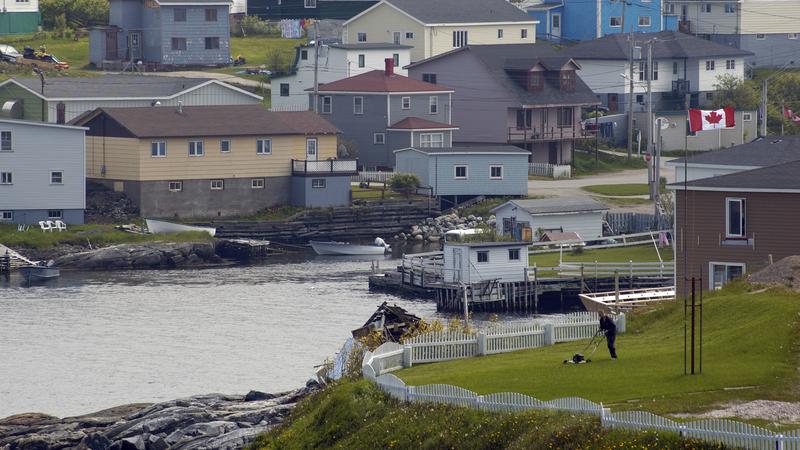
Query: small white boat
point(379, 247)
point(39, 272)
point(160, 226)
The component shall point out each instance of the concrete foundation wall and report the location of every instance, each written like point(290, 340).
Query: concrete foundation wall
point(33, 216)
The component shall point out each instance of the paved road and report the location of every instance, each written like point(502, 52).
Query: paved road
point(217, 76)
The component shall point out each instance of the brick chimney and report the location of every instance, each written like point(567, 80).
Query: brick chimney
point(389, 66)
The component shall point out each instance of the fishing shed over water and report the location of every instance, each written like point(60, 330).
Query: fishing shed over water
point(476, 262)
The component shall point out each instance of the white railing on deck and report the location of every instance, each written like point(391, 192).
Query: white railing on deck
point(549, 170)
point(374, 176)
point(324, 166)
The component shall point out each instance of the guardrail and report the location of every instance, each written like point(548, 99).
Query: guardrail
point(549, 170)
point(630, 269)
point(340, 166)
point(374, 176)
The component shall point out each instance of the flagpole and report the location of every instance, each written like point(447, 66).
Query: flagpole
point(783, 116)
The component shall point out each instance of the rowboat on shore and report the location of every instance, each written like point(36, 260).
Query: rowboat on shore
point(160, 226)
point(379, 247)
point(39, 272)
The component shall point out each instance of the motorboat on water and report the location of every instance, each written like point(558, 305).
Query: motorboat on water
point(161, 226)
point(40, 271)
point(379, 247)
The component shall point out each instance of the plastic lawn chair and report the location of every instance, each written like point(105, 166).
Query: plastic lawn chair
point(52, 225)
point(45, 226)
point(61, 226)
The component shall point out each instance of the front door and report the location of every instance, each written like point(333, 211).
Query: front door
point(456, 265)
point(613, 102)
point(111, 46)
point(555, 26)
point(684, 13)
point(135, 39)
point(311, 149)
point(552, 152)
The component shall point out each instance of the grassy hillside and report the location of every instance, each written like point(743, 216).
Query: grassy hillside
point(750, 352)
point(98, 235)
point(357, 415)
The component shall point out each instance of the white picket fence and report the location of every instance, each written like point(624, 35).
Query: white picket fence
point(549, 170)
point(371, 175)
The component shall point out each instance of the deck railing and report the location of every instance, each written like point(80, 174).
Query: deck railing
point(533, 134)
point(327, 166)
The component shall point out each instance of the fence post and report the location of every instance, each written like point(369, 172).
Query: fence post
point(549, 334)
point(481, 344)
point(779, 442)
point(479, 402)
point(621, 322)
point(407, 356)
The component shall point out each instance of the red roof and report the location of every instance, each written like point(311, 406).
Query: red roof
point(378, 81)
point(416, 123)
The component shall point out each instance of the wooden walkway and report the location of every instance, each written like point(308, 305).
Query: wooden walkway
point(17, 260)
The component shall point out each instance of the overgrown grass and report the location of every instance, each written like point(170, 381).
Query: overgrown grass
point(483, 208)
point(262, 50)
point(74, 52)
point(584, 163)
point(636, 253)
point(357, 415)
point(750, 351)
point(377, 193)
point(624, 201)
point(277, 213)
point(83, 235)
point(618, 190)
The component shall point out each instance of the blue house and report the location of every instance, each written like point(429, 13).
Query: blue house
point(458, 173)
point(579, 20)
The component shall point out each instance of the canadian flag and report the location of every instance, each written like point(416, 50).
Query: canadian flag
point(701, 120)
point(791, 115)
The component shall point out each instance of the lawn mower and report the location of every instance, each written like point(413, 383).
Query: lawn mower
point(579, 358)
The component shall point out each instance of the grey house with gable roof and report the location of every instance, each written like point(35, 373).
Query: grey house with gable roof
point(581, 215)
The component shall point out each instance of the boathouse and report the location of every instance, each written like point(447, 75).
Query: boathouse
point(477, 262)
point(525, 219)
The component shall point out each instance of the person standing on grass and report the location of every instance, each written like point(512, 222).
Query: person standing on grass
point(610, 330)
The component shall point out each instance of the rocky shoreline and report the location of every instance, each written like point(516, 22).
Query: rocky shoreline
point(434, 228)
point(213, 421)
point(156, 255)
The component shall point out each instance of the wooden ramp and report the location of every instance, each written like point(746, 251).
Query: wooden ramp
point(16, 259)
point(627, 299)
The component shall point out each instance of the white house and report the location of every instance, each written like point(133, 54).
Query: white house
point(475, 262)
point(522, 218)
point(336, 62)
point(20, 17)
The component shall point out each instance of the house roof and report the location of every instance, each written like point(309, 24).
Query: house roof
point(378, 81)
point(239, 120)
point(777, 178)
point(461, 11)
point(759, 153)
point(34, 123)
point(193, 2)
point(553, 236)
point(558, 205)
point(668, 45)
point(371, 46)
point(417, 123)
point(469, 149)
point(115, 86)
point(530, 6)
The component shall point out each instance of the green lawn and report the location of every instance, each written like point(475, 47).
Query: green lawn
point(81, 235)
point(618, 190)
point(584, 163)
point(637, 253)
point(624, 201)
point(750, 351)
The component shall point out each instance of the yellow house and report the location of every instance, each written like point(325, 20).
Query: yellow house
point(433, 27)
point(209, 161)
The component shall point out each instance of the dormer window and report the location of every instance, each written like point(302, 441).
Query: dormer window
point(568, 80)
point(535, 81)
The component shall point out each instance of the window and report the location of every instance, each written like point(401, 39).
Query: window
point(730, 8)
point(318, 183)
point(175, 186)
point(433, 104)
point(5, 141)
point(311, 148)
point(55, 214)
point(730, 64)
point(723, 273)
point(761, 36)
point(747, 117)
point(460, 172)
point(556, 20)
point(57, 177)
point(644, 21)
point(6, 216)
point(409, 35)
point(513, 254)
point(706, 7)
point(212, 43)
point(304, 55)
point(709, 95)
point(499, 33)
point(217, 185)
point(615, 22)
point(483, 256)
point(257, 183)
point(358, 105)
point(567, 80)
point(179, 15)
point(6, 178)
point(396, 59)
point(405, 102)
point(263, 146)
point(524, 118)
point(195, 148)
point(158, 149)
point(523, 33)
point(565, 116)
point(310, 3)
point(675, 67)
point(709, 65)
point(211, 15)
point(459, 39)
point(361, 61)
point(735, 215)
point(429, 78)
point(362, 37)
point(496, 172)
point(640, 99)
point(327, 104)
point(435, 140)
point(535, 81)
point(379, 138)
point(792, 36)
point(284, 89)
point(179, 44)
point(643, 75)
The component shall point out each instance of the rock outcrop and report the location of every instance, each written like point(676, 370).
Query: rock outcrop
point(142, 256)
point(433, 229)
point(213, 421)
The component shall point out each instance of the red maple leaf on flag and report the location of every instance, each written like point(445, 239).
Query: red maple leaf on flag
point(713, 118)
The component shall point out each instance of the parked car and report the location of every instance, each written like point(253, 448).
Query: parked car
point(9, 53)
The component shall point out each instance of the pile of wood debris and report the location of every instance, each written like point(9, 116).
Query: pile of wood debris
point(392, 321)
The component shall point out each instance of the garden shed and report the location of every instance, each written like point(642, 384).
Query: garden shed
point(476, 262)
point(531, 217)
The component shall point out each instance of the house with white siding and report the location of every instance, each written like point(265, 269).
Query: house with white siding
point(20, 17)
point(476, 262)
point(581, 215)
point(42, 172)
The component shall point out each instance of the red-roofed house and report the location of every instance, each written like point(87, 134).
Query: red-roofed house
point(381, 111)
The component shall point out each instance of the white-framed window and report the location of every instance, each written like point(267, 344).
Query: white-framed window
point(409, 35)
point(640, 99)
point(735, 213)
point(379, 138)
point(284, 89)
point(721, 273)
point(396, 59)
point(257, 183)
point(263, 146)
point(55, 214)
point(5, 141)
point(483, 256)
point(460, 172)
point(644, 21)
point(362, 60)
point(362, 37)
point(513, 254)
point(310, 4)
point(730, 64)
point(435, 140)
point(196, 148)
point(761, 36)
point(499, 33)
point(56, 177)
point(459, 38)
point(405, 102)
point(318, 183)
point(496, 172)
point(433, 104)
point(792, 36)
point(304, 55)
point(6, 216)
point(710, 65)
point(311, 148)
point(523, 33)
point(730, 8)
point(6, 178)
point(705, 7)
point(327, 104)
point(158, 149)
point(224, 145)
point(615, 21)
point(217, 185)
point(358, 105)
point(643, 75)
point(747, 117)
point(175, 186)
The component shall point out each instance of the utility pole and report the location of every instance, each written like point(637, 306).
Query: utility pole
point(764, 85)
point(630, 82)
point(316, 66)
point(650, 147)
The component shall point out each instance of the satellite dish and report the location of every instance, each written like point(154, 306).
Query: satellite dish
point(665, 124)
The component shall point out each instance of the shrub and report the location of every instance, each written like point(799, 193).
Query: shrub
point(404, 183)
point(77, 13)
point(252, 26)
